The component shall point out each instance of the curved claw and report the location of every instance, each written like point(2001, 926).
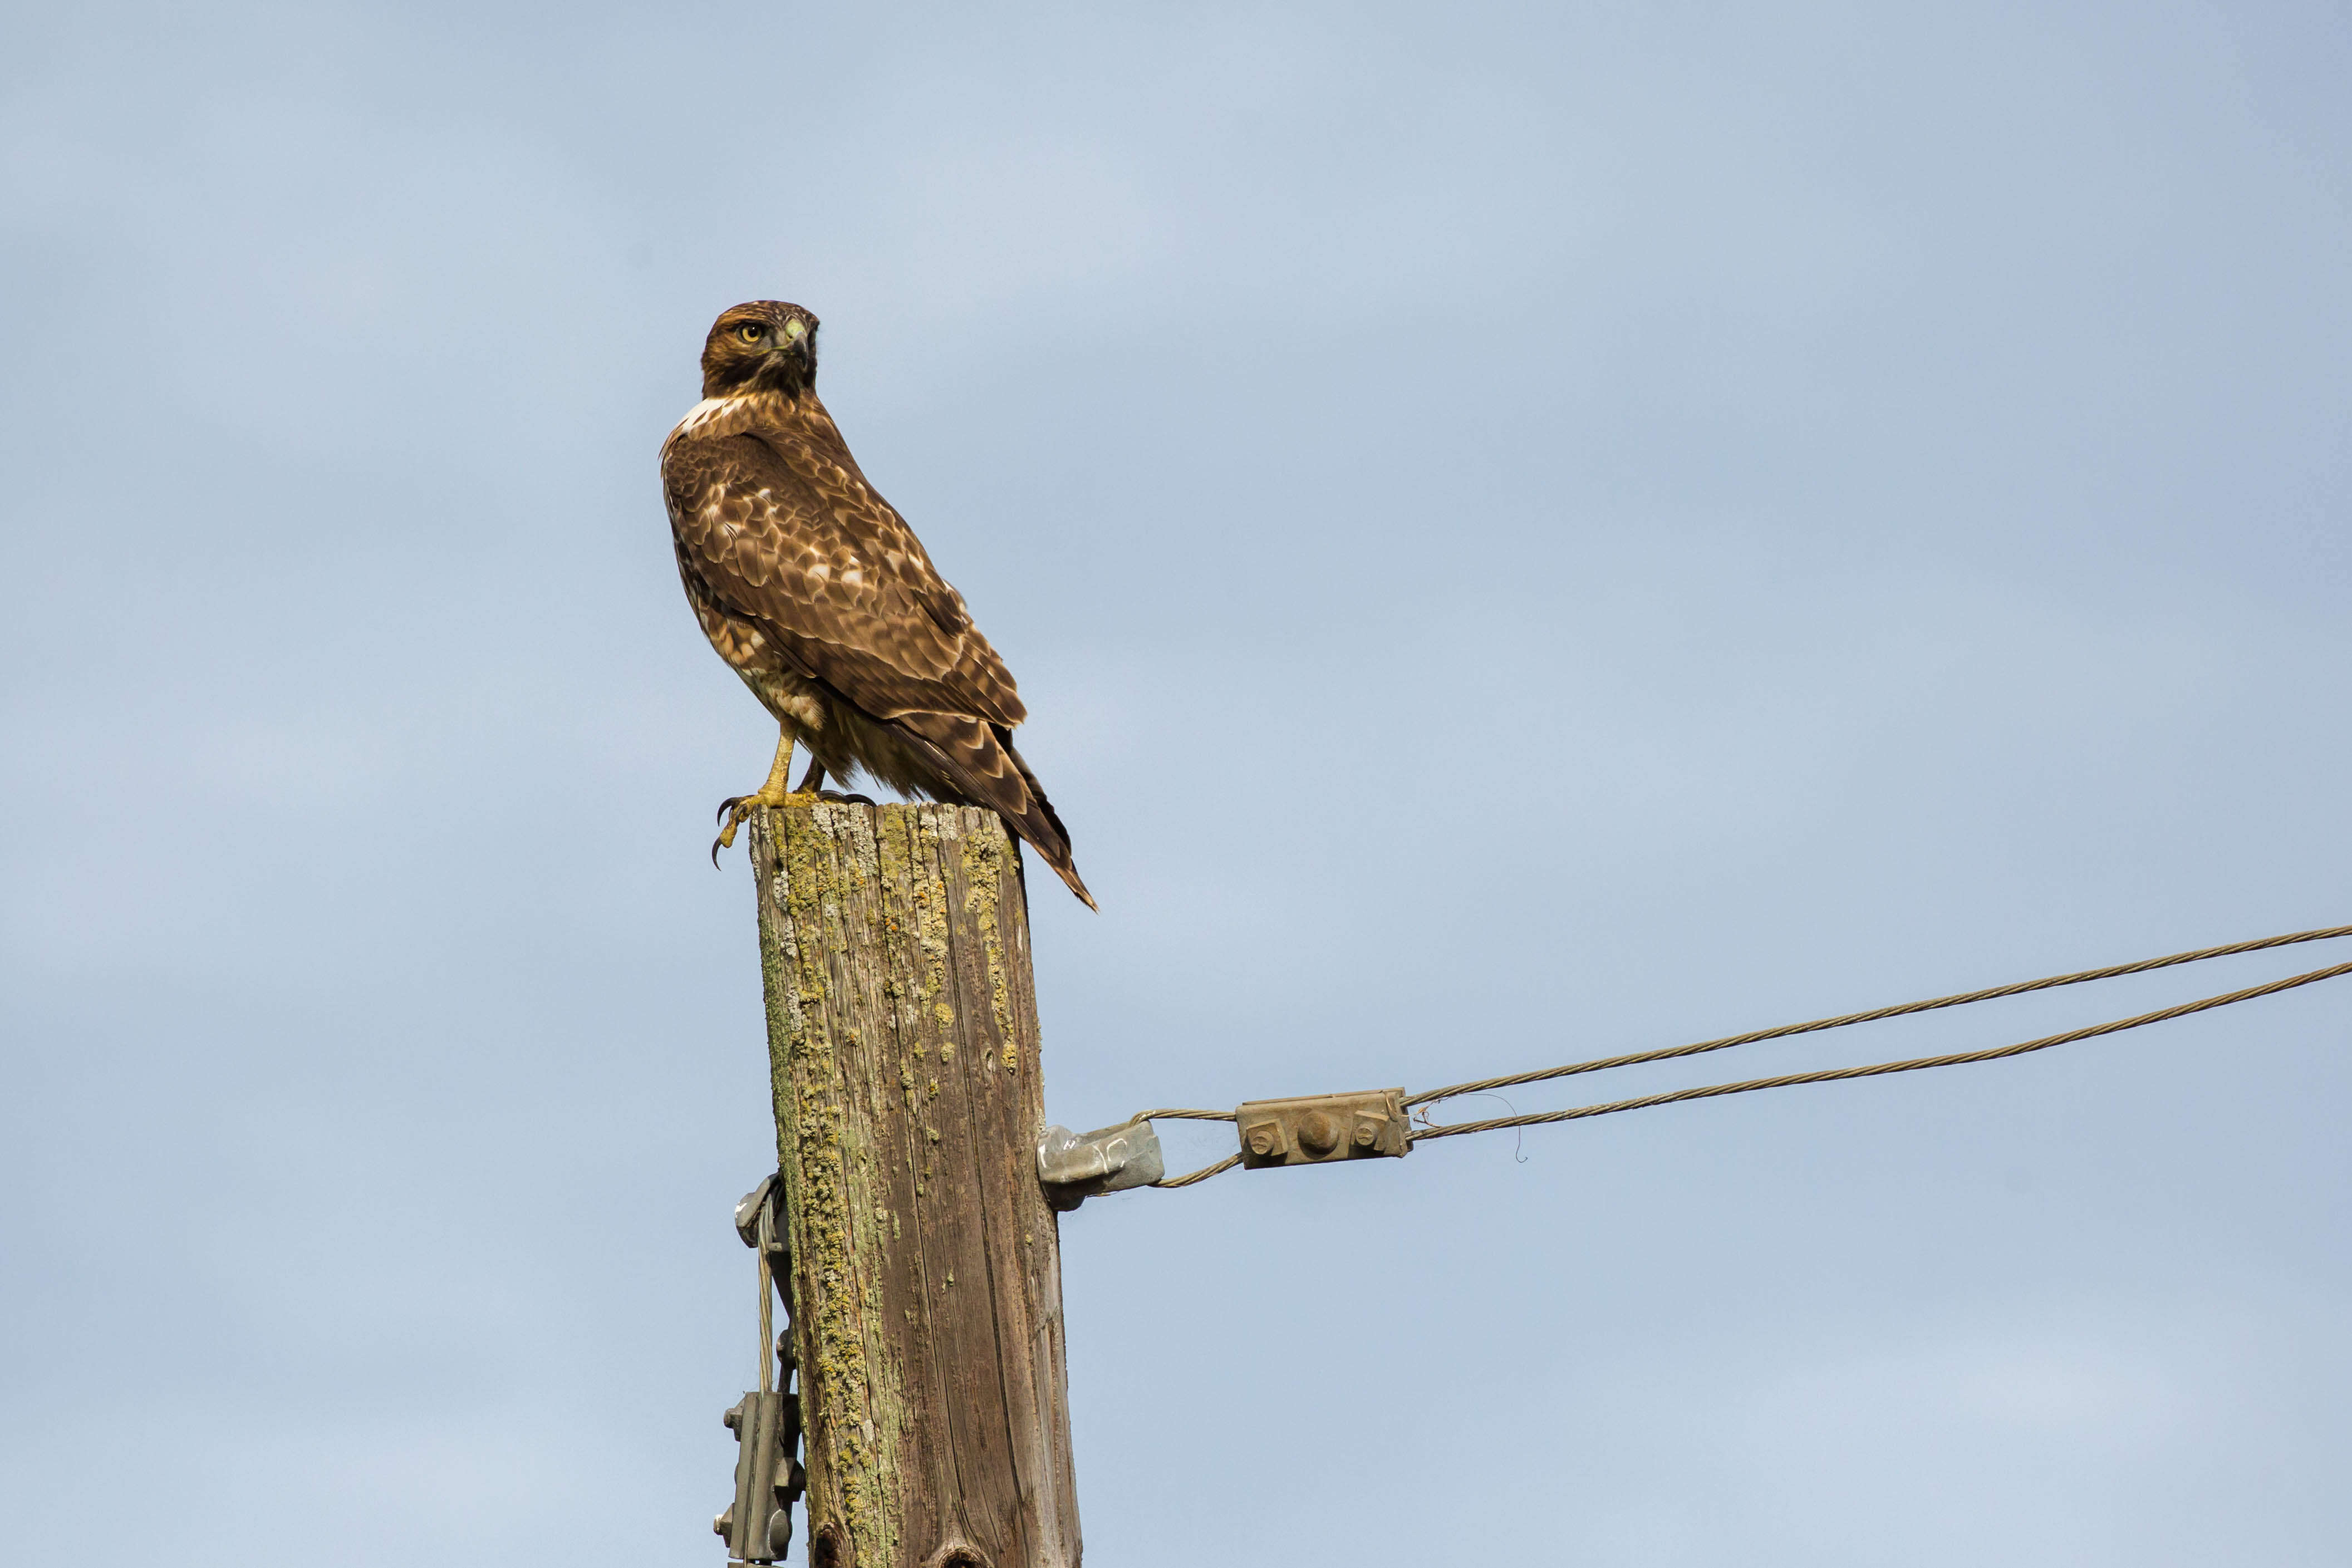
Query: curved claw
point(835, 795)
point(730, 804)
point(732, 816)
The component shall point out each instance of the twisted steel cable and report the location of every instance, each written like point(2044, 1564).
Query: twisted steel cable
point(1826, 1075)
point(1204, 1174)
point(1901, 1010)
point(1833, 1074)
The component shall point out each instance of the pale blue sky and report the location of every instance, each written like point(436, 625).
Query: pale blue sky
point(1525, 533)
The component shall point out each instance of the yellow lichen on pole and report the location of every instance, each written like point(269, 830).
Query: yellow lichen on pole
point(926, 1272)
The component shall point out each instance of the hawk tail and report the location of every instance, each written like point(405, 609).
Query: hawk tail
point(1042, 826)
point(981, 767)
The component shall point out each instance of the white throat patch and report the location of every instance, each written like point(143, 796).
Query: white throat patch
point(704, 414)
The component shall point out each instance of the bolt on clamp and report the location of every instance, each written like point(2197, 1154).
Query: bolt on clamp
point(1318, 1129)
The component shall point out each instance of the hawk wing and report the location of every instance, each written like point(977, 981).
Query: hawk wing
point(834, 576)
point(776, 528)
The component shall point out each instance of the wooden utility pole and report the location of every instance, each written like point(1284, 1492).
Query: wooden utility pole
point(925, 1275)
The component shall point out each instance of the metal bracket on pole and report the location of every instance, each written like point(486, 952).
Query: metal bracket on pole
point(1319, 1129)
point(757, 1220)
point(1075, 1168)
point(769, 1479)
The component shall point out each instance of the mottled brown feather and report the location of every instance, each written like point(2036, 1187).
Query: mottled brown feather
point(815, 589)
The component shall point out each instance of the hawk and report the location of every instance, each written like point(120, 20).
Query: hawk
point(813, 588)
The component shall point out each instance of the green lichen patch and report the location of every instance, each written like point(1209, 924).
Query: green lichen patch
point(884, 933)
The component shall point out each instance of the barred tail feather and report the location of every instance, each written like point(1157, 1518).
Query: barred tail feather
point(1043, 828)
point(978, 764)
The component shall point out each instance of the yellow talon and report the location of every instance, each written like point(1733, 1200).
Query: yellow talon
point(736, 810)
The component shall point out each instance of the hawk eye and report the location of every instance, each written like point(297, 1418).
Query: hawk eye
point(750, 332)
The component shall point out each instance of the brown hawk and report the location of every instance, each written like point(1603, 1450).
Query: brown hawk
point(817, 593)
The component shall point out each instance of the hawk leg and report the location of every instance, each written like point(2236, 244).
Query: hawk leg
point(735, 809)
point(812, 783)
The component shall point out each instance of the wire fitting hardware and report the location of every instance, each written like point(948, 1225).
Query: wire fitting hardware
point(758, 1525)
point(1320, 1129)
point(1075, 1166)
point(769, 1477)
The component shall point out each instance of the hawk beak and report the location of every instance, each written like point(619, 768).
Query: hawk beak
point(792, 359)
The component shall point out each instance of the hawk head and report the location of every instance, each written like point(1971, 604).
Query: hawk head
point(764, 346)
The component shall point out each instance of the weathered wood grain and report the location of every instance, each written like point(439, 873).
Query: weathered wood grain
point(927, 1288)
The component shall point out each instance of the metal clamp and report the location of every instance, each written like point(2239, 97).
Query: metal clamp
point(758, 1525)
point(769, 1477)
point(1074, 1168)
point(759, 1221)
point(1319, 1129)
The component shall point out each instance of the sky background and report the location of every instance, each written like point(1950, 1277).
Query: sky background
point(1525, 533)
